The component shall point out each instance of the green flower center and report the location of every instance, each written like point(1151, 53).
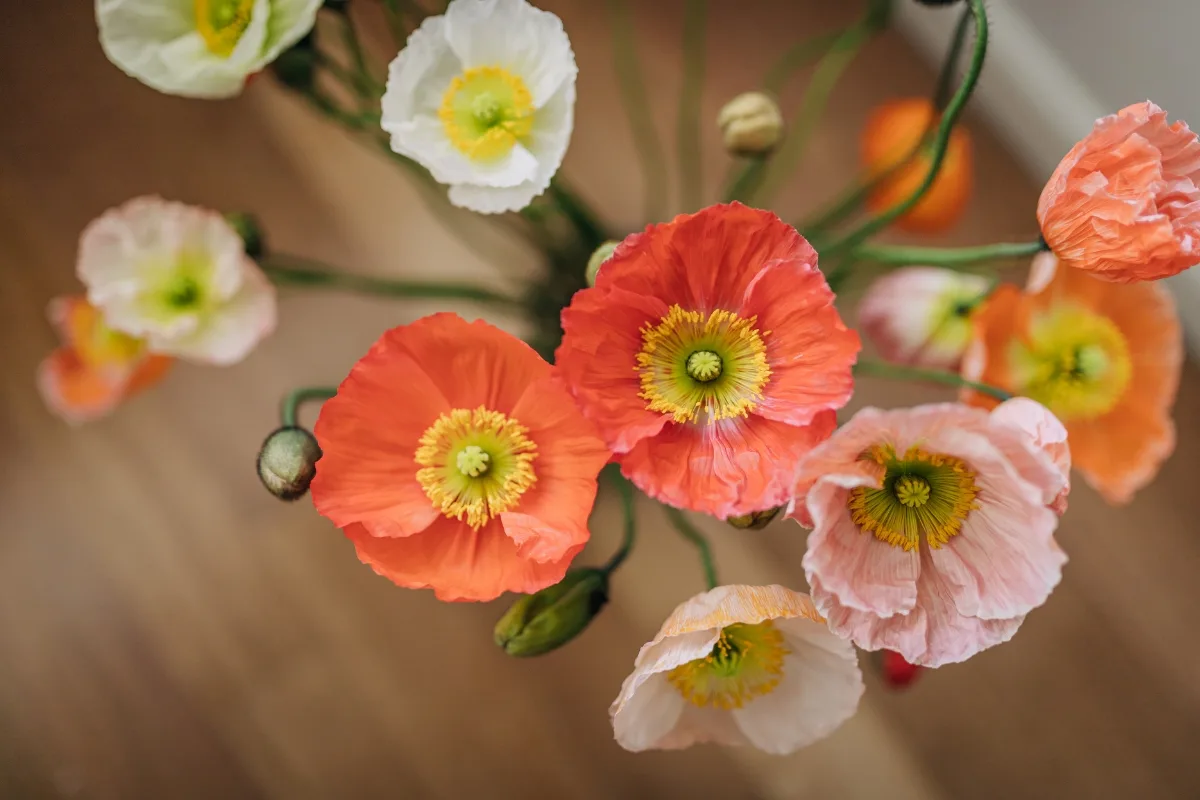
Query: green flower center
point(703, 366)
point(221, 23)
point(746, 662)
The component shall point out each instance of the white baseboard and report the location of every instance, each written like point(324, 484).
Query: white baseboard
point(1034, 101)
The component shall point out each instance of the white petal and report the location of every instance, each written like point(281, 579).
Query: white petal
point(291, 20)
point(424, 140)
point(650, 714)
point(820, 690)
point(512, 34)
point(420, 75)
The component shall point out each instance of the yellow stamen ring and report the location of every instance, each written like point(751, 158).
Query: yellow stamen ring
point(694, 363)
point(486, 111)
point(746, 662)
point(475, 464)
point(221, 23)
point(921, 493)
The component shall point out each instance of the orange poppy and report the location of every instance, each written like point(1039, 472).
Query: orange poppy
point(892, 131)
point(711, 358)
point(96, 367)
point(454, 460)
point(1124, 204)
point(1104, 357)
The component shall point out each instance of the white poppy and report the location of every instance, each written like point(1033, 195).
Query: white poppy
point(739, 665)
point(179, 277)
point(484, 98)
point(200, 48)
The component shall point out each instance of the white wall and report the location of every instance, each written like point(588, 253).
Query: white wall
point(1055, 66)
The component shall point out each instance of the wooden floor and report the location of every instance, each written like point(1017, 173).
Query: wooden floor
point(167, 630)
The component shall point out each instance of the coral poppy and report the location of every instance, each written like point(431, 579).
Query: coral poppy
point(711, 358)
point(892, 132)
point(739, 665)
point(454, 460)
point(96, 367)
point(1104, 357)
point(1124, 204)
point(932, 534)
point(921, 315)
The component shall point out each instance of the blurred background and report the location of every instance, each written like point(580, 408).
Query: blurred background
point(168, 630)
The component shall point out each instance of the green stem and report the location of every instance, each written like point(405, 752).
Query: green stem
point(293, 271)
point(297, 397)
point(950, 257)
point(693, 535)
point(590, 229)
point(637, 108)
point(941, 142)
point(691, 178)
point(630, 516)
point(798, 55)
point(395, 21)
point(901, 372)
point(945, 80)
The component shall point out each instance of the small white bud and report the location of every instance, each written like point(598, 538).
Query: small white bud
point(751, 124)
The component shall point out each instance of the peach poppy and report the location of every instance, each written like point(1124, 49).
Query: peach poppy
point(454, 460)
point(711, 358)
point(932, 532)
point(1124, 203)
point(96, 367)
point(1104, 357)
point(891, 133)
point(921, 315)
point(739, 665)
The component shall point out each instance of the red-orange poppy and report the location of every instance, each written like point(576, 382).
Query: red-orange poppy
point(711, 358)
point(455, 460)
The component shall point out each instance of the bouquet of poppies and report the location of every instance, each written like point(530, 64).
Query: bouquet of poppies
point(702, 361)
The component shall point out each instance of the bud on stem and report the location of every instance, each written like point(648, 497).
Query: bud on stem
point(287, 462)
point(546, 620)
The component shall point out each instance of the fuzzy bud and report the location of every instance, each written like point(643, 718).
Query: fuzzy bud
point(755, 520)
point(287, 462)
point(544, 621)
point(751, 124)
point(603, 253)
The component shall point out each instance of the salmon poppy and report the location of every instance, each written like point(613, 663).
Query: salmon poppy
point(1104, 357)
point(454, 460)
point(96, 367)
point(1124, 204)
point(711, 358)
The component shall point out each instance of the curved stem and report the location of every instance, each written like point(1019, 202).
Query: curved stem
point(689, 532)
point(941, 141)
point(897, 255)
point(945, 79)
point(637, 108)
point(297, 397)
point(901, 372)
point(687, 132)
point(797, 56)
point(590, 229)
point(294, 271)
point(630, 515)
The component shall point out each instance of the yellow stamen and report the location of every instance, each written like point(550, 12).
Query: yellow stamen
point(1074, 361)
point(222, 22)
point(921, 493)
point(746, 662)
point(486, 111)
point(694, 363)
point(475, 464)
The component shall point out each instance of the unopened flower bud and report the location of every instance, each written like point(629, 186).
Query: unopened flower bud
point(751, 124)
point(287, 462)
point(897, 673)
point(755, 520)
point(603, 253)
point(544, 621)
point(247, 227)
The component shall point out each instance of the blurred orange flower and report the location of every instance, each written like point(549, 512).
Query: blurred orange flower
point(1124, 203)
point(455, 461)
point(96, 367)
point(1104, 357)
point(711, 358)
point(892, 132)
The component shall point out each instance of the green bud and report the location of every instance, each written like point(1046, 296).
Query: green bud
point(287, 462)
point(546, 620)
point(603, 253)
point(755, 520)
point(252, 236)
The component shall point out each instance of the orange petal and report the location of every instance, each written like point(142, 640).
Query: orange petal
point(73, 391)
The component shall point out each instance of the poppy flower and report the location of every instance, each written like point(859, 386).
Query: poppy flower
point(1104, 357)
point(711, 358)
point(739, 665)
point(1124, 204)
point(96, 367)
point(892, 132)
point(454, 460)
point(933, 526)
